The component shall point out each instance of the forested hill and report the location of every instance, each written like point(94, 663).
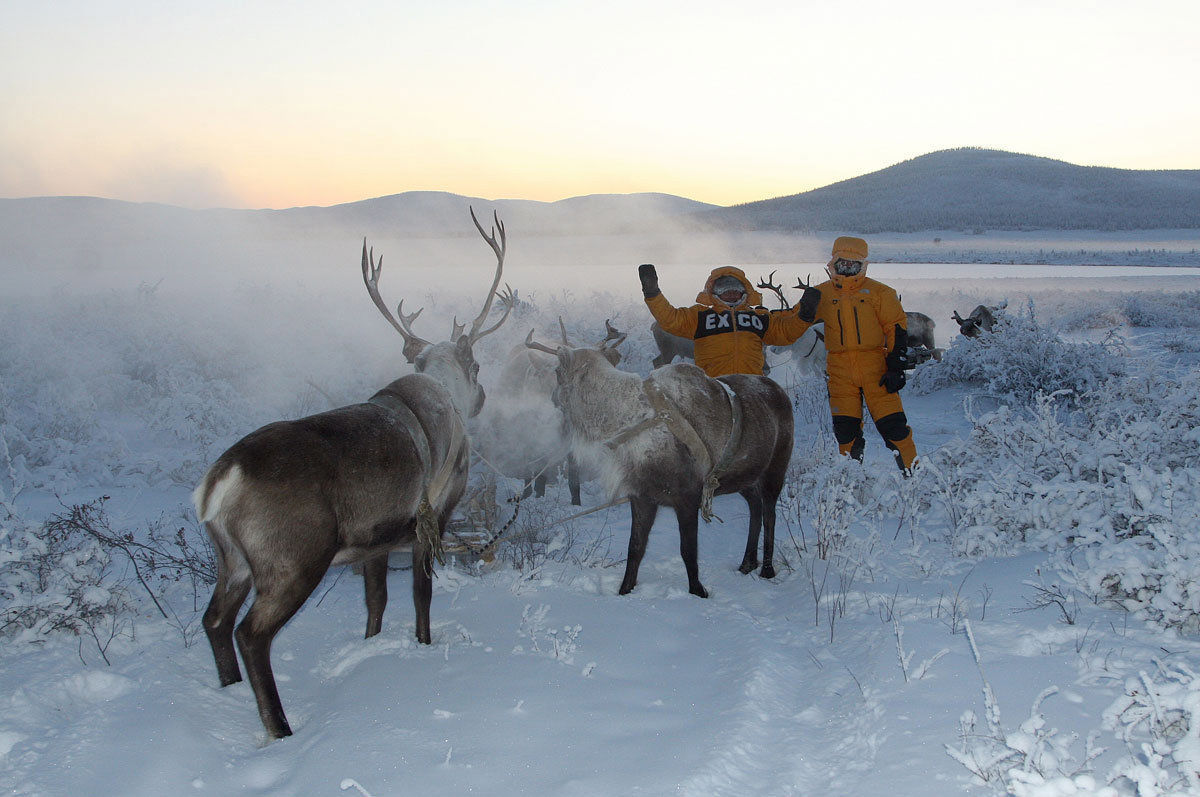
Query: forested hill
point(981, 189)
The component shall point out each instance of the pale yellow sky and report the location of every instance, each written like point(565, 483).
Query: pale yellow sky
point(278, 104)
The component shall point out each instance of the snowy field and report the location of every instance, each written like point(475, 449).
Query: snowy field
point(1020, 616)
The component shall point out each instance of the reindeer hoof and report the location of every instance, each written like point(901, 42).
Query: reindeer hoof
point(625, 590)
point(699, 591)
point(747, 567)
point(768, 571)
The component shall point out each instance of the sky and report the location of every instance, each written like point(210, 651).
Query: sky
point(282, 104)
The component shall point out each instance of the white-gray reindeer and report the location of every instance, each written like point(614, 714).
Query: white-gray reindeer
point(521, 432)
point(293, 498)
point(676, 439)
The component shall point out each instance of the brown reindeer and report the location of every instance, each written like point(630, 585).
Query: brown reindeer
point(293, 498)
point(676, 439)
point(981, 318)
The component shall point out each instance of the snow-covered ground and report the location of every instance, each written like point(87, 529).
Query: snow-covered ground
point(1019, 615)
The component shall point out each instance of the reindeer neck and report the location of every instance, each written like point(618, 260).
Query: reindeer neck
point(603, 407)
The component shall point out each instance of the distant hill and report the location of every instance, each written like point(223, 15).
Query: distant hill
point(981, 189)
point(413, 214)
point(971, 190)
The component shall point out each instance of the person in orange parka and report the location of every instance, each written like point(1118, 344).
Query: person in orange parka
point(728, 323)
point(866, 338)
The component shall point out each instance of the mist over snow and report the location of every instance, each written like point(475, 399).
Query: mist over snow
point(1019, 617)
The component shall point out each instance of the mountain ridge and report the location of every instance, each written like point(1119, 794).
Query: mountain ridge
point(965, 189)
point(969, 188)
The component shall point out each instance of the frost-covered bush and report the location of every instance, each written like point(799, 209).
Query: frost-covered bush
point(1137, 309)
point(1025, 760)
point(77, 573)
point(1158, 718)
point(1161, 309)
point(1020, 359)
point(89, 385)
point(55, 580)
point(1110, 479)
point(1147, 560)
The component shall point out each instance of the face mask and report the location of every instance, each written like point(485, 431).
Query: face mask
point(730, 291)
point(847, 268)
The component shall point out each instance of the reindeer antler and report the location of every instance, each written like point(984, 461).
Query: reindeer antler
point(500, 248)
point(413, 343)
point(533, 344)
point(769, 285)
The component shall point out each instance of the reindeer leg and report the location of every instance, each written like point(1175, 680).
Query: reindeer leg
point(573, 480)
point(769, 500)
point(642, 511)
point(539, 485)
point(422, 570)
point(375, 586)
point(754, 501)
point(228, 596)
point(688, 516)
point(278, 599)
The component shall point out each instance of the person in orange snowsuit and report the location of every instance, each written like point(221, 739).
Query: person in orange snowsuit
point(728, 323)
point(866, 337)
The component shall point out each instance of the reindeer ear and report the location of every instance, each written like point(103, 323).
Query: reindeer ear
point(565, 356)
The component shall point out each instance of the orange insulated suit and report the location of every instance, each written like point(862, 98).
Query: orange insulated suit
point(729, 340)
point(864, 323)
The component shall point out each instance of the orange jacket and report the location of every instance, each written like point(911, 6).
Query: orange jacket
point(728, 341)
point(860, 314)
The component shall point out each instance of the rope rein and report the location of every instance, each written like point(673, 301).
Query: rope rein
point(429, 534)
point(667, 413)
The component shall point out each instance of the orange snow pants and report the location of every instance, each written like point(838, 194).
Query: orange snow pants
point(854, 378)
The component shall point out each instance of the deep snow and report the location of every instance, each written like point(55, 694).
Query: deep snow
point(848, 675)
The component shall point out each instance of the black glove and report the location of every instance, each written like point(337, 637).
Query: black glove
point(649, 278)
point(892, 381)
point(807, 309)
point(897, 358)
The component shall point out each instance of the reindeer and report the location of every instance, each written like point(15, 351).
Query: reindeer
point(292, 499)
point(670, 346)
point(808, 352)
point(981, 318)
point(521, 432)
point(920, 330)
point(676, 439)
point(920, 339)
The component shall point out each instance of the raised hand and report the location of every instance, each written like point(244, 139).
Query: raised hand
point(649, 278)
point(806, 310)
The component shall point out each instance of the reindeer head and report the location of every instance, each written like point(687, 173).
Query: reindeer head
point(575, 361)
point(451, 362)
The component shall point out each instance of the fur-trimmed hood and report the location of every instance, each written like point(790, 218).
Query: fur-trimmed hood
point(708, 298)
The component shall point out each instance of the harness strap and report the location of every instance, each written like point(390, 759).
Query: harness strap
point(712, 481)
point(677, 424)
point(667, 414)
point(429, 534)
point(819, 337)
